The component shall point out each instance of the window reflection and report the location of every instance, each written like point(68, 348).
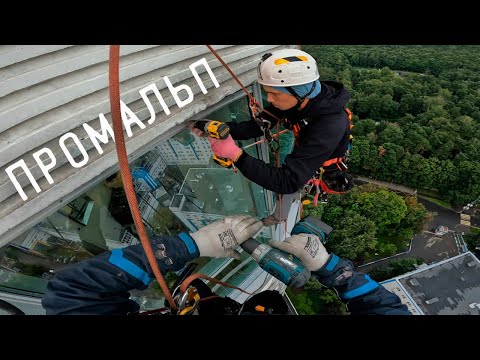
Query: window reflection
point(178, 187)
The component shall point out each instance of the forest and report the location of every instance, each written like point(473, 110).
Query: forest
point(370, 222)
point(416, 114)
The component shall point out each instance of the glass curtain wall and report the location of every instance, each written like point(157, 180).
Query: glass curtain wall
point(179, 188)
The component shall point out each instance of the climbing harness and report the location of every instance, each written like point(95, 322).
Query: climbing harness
point(330, 179)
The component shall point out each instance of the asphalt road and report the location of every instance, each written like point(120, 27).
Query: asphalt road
point(444, 216)
point(426, 245)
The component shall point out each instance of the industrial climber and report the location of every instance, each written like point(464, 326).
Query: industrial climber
point(316, 113)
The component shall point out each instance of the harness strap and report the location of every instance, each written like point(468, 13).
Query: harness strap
point(300, 99)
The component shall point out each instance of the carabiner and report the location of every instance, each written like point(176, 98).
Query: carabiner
point(188, 301)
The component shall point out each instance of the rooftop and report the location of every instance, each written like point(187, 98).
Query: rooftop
point(449, 287)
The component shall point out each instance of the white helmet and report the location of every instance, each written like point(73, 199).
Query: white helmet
point(287, 67)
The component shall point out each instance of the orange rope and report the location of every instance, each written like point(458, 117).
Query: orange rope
point(192, 277)
point(250, 97)
point(125, 169)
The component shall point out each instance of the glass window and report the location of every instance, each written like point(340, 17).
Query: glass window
point(179, 188)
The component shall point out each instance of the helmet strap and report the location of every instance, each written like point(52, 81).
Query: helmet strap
point(300, 99)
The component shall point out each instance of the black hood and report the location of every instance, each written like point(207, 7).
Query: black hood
point(333, 98)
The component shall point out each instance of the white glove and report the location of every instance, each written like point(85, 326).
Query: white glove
point(306, 247)
point(218, 238)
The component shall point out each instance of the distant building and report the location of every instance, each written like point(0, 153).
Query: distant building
point(198, 152)
point(449, 287)
point(126, 239)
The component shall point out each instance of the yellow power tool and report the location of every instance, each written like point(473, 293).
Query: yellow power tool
point(215, 129)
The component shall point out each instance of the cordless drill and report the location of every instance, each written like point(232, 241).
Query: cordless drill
point(217, 130)
point(214, 129)
point(284, 266)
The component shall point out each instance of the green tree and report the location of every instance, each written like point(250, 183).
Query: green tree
point(411, 104)
point(387, 249)
point(383, 207)
point(363, 156)
point(307, 300)
point(468, 125)
point(420, 173)
point(333, 214)
point(473, 242)
point(363, 127)
point(394, 268)
point(315, 299)
point(310, 210)
point(389, 168)
point(353, 237)
point(393, 133)
point(369, 106)
point(416, 215)
point(416, 140)
point(389, 107)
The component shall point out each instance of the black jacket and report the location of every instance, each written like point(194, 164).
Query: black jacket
point(326, 136)
point(101, 285)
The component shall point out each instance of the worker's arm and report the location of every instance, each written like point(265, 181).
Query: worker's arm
point(319, 142)
point(361, 294)
point(250, 129)
point(101, 285)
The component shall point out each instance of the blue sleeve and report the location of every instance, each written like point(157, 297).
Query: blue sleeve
point(362, 295)
point(101, 285)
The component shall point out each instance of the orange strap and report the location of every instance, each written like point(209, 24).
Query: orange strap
point(349, 114)
point(188, 280)
point(332, 161)
point(296, 130)
point(114, 88)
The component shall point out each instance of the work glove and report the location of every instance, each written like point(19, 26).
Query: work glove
point(225, 148)
point(219, 238)
point(306, 247)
